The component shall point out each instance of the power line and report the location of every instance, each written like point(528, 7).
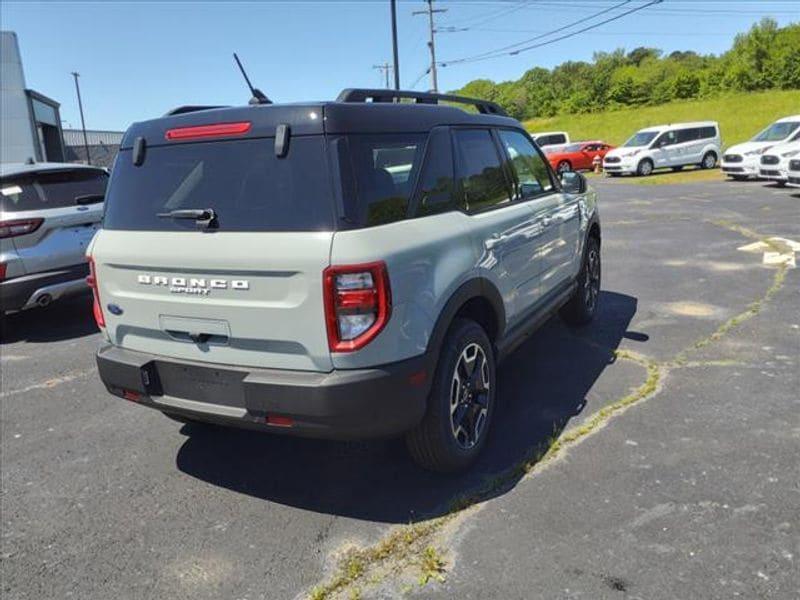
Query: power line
point(430, 11)
point(543, 35)
point(504, 51)
point(418, 79)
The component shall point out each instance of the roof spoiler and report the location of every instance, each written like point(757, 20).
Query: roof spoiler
point(386, 95)
point(189, 108)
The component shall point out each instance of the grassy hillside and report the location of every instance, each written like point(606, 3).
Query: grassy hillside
point(740, 116)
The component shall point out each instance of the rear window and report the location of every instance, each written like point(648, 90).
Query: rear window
point(56, 189)
point(247, 186)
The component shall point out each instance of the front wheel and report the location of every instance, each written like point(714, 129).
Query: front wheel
point(645, 168)
point(580, 309)
point(461, 402)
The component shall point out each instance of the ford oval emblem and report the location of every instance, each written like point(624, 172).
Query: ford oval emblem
point(114, 309)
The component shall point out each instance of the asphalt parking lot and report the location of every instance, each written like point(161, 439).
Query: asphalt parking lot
point(653, 454)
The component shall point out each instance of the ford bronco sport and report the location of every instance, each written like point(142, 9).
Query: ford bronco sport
point(347, 270)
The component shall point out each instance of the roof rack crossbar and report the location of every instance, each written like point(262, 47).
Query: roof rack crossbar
point(386, 95)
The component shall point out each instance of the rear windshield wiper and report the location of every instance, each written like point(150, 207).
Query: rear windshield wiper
point(203, 217)
point(89, 199)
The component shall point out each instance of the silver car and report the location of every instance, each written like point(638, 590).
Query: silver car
point(48, 214)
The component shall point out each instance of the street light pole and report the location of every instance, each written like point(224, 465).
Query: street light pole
point(394, 45)
point(83, 123)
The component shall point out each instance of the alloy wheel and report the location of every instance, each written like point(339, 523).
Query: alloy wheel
point(469, 396)
point(591, 285)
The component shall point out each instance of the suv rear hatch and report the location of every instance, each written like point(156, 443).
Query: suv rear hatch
point(244, 287)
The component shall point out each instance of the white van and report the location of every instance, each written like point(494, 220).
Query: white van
point(550, 138)
point(666, 146)
point(743, 160)
point(774, 163)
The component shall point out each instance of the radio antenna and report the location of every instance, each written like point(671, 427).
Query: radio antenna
point(258, 96)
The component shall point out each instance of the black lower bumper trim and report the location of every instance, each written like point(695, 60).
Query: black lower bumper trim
point(343, 404)
point(15, 293)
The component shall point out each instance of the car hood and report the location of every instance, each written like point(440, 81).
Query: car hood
point(781, 149)
point(749, 147)
point(626, 151)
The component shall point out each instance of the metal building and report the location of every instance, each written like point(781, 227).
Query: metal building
point(30, 123)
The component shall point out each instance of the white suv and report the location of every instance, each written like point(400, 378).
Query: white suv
point(666, 146)
point(775, 162)
point(743, 160)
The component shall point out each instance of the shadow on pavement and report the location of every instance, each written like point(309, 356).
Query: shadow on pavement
point(541, 387)
point(63, 320)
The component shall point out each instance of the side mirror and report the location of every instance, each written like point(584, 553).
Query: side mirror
point(573, 182)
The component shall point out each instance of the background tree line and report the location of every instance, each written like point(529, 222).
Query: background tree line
point(766, 57)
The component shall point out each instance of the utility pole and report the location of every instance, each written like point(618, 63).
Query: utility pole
point(431, 44)
point(385, 68)
point(393, 4)
point(83, 123)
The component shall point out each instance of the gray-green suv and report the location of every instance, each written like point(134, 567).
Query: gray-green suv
point(349, 269)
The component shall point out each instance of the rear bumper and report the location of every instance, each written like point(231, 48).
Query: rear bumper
point(343, 404)
point(27, 290)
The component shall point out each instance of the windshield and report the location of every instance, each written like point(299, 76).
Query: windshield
point(777, 132)
point(641, 138)
point(246, 185)
point(56, 189)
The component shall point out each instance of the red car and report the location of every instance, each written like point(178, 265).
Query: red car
point(576, 156)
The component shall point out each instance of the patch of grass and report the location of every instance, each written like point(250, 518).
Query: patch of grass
point(740, 117)
point(431, 567)
point(687, 175)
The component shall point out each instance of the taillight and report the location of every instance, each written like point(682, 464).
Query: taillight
point(358, 303)
point(17, 227)
point(207, 131)
point(96, 308)
point(2, 271)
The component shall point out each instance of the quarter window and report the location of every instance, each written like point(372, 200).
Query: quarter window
point(480, 171)
point(436, 192)
point(527, 164)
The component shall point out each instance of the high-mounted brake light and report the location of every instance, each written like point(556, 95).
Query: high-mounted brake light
point(358, 303)
point(207, 131)
point(15, 227)
point(97, 310)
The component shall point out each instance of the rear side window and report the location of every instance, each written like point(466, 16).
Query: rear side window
point(247, 186)
point(436, 190)
point(479, 169)
point(528, 165)
point(58, 189)
point(384, 170)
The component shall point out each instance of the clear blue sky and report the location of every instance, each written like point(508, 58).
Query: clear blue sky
point(138, 59)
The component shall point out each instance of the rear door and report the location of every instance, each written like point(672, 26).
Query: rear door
point(242, 289)
point(65, 204)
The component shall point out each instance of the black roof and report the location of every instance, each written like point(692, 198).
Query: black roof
point(354, 115)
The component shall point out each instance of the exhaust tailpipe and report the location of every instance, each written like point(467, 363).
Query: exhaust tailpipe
point(44, 300)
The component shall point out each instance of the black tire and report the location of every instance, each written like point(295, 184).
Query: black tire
point(678, 168)
point(614, 173)
point(780, 184)
point(738, 177)
point(563, 167)
point(644, 168)
point(709, 161)
point(581, 308)
point(436, 444)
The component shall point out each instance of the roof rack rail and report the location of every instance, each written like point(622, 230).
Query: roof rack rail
point(386, 95)
point(189, 108)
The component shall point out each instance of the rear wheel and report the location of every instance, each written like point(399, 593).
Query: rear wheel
point(645, 168)
point(461, 402)
point(582, 306)
point(709, 160)
point(563, 167)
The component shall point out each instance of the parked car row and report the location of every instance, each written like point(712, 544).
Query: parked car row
point(745, 160)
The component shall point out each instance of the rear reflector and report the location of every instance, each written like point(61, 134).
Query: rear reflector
point(279, 421)
point(207, 131)
point(2, 271)
point(15, 227)
point(131, 395)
